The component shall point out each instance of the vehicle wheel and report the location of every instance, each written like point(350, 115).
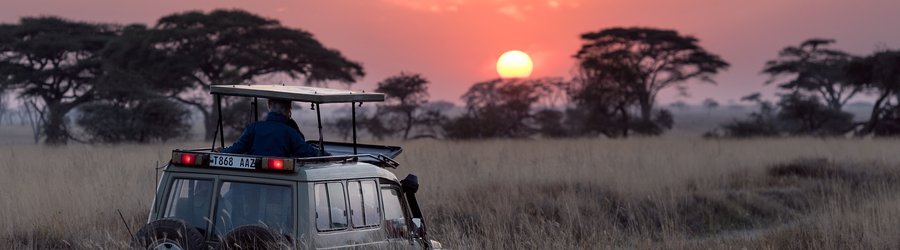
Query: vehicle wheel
point(254, 237)
point(168, 233)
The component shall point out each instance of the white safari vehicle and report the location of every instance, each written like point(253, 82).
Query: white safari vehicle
point(209, 200)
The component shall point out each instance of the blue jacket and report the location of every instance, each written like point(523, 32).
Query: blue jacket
point(276, 135)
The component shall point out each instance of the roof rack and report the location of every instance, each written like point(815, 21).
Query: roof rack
point(297, 93)
point(316, 96)
point(379, 159)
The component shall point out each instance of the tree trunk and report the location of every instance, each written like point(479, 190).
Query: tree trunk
point(874, 117)
point(646, 107)
point(409, 124)
point(54, 128)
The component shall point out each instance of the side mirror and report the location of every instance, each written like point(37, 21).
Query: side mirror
point(410, 184)
point(418, 227)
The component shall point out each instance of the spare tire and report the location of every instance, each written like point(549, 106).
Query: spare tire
point(254, 237)
point(168, 233)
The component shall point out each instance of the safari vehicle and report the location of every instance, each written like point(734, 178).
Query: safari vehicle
point(349, 199)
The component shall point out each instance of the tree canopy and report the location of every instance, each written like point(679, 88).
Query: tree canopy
point(54, 62)
point(236, 47)
point(638, 63)
point(880, 72)
point(813, 67)
point(498, 108)
point(405, 94)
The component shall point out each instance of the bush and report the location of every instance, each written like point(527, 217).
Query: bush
point(806, 115)
point(141, 121)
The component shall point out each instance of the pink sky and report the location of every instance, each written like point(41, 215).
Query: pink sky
point(456, 43)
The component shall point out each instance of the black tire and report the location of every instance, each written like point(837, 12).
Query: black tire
point(254, 237)
point(168, 233)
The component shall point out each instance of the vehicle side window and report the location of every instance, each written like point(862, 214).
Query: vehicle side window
point(189, 200)
point(394, 217)
point(331, 207)
point(363, 199)
point(354, 193)
point(370, 203)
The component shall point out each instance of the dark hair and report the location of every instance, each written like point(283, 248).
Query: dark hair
point(279, 105)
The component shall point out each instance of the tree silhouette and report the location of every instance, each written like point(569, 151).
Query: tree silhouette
point(761, 123)
point(880, 72)
point(140, 120)
point(498, 108)
point(814, 68)
point(404, 95)
point(55, 63)
point(602, 101)
point(236, 47)
point(710, 104)
point(681, 105)
point(647, 61)
point(132, 103)
point(806, 115)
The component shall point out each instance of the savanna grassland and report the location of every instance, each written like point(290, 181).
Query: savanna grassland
point(532, 194)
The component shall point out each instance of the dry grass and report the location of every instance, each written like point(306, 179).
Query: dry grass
point(636, 193)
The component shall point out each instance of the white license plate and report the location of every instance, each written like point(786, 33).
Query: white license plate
point(228, 161)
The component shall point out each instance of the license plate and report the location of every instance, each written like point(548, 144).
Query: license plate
point(228, 161)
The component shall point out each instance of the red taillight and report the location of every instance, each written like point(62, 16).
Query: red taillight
point(276, 164)
point(188, 159)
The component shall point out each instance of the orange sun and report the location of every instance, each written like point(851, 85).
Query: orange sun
point(514, 64)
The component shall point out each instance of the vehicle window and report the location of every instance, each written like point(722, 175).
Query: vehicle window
point(354, 193)
point(251, 203)
point(370, 203)
point(189, 201)
point(322, 220)
point(331, 207)
point(394, 218)
point(363, 203)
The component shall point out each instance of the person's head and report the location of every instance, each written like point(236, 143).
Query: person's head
point(280, 106)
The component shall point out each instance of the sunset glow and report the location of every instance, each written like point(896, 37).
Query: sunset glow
point(514, 64)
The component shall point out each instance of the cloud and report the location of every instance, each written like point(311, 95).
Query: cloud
point(512, 11)
point(436, 6)
point(516, 9)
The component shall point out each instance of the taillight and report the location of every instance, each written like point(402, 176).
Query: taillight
point(187, 158)
point(278, 164)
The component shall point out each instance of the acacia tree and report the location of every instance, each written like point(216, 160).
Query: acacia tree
point(602, 100)
point(880, 72)
point(54, 63)
point(815, 68)
point(498, 108)
point(710, 104)
point(236, 47)
point(132, 103)
point(648, 60)
point(405, 94)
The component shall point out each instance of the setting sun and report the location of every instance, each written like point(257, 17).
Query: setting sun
point(514, 64)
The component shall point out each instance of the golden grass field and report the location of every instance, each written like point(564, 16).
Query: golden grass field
point(528, 194)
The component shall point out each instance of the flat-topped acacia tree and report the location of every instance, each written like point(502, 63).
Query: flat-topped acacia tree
point(55, 63)
point(235, 47)
point(642, 62)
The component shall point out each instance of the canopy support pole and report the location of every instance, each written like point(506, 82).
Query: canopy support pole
point(255, 110)
point(353, 120)
point(221, 126)
point(321, 139)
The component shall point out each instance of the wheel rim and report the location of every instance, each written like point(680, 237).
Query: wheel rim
point(164, 244)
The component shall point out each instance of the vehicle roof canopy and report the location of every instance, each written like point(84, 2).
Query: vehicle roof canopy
point(297, 93)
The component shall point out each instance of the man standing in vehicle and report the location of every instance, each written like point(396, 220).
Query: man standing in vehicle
point(276, 135)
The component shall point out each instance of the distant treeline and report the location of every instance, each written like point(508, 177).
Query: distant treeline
point(133, 83)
